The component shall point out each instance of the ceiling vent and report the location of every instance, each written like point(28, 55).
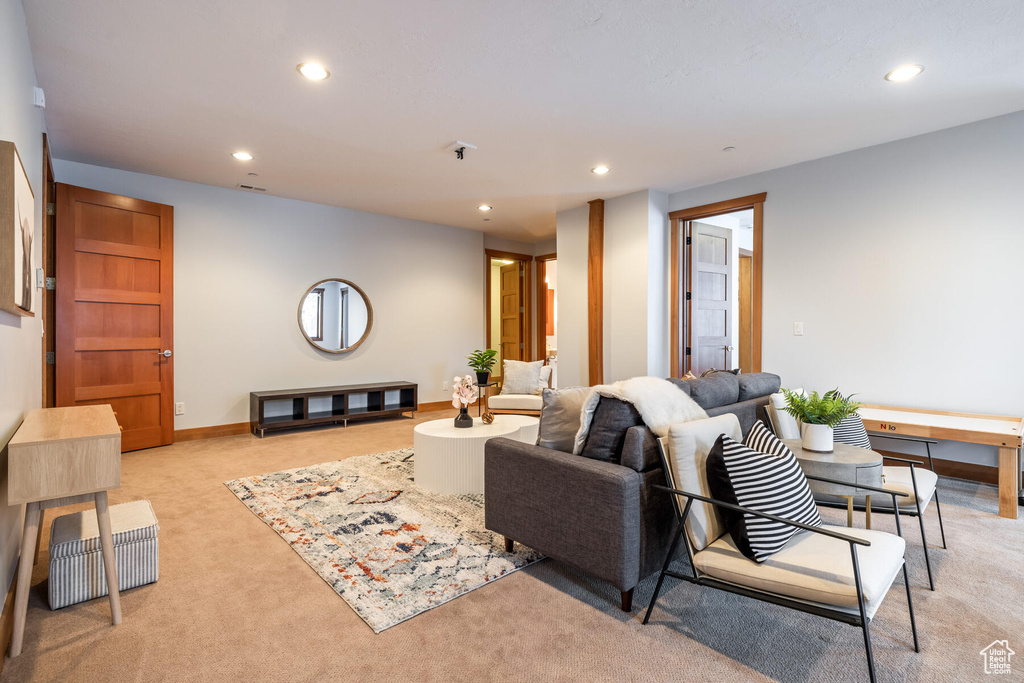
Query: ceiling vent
point(250, 188)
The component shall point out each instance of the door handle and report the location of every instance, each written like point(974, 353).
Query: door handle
point(166, 353)
point(727, 348)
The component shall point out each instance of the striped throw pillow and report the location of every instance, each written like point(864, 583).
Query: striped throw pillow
point(851, 431)
point(770, 483)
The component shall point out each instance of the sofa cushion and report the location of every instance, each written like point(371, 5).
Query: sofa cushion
point(718, 389)
point(772, 483)
point(683, 384)
point(612, 417)
point(560, 417)
point(514, 402)
point(757, 384)
point(518, 377)
point(812, 567)
point(688, 445)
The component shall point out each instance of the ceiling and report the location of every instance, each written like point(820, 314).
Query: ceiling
point(546, 90)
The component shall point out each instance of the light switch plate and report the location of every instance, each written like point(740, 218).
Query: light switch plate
point(798, 329)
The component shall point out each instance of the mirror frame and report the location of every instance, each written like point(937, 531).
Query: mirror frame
point(369, 315)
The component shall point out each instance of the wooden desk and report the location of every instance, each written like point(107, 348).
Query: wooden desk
point(993, 430)
point(63, 456)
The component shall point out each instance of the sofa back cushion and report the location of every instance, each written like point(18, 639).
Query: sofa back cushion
point(758, 384)
point(717, 389)
point(560, 417)
point(686, 447)
point(612, 417)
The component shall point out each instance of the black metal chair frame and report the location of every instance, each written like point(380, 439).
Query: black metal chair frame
point(916, 510)
point(861, 619)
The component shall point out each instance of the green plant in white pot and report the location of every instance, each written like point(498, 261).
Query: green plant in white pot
point(818, 415)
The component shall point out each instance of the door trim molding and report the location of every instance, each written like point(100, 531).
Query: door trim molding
point(678, 363)
point(595, 291)
point(542, 305)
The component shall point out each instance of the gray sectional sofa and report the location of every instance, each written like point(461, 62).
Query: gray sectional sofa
point(599, 516)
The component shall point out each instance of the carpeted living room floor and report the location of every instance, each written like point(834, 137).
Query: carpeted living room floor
point(234, 602)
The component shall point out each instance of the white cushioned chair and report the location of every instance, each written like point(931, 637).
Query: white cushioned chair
point(919, 483)
point(520, 404)
point(829, 571)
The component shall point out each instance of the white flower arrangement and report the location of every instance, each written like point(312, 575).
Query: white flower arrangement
point(464, 391)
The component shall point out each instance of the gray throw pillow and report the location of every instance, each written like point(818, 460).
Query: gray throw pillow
point(520, 377)
point(560, 417)
point(612, 418)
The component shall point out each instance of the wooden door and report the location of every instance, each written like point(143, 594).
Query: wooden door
point(511, 313)
point(712, 297)
point(744, 299)
point(114, 311)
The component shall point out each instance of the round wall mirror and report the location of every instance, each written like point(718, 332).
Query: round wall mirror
point(335, 315)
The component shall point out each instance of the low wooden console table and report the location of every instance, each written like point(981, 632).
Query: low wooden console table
point(292, 408)
point(63, 456)
point(992, 430)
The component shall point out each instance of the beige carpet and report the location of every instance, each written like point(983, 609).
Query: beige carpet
point(234, 602)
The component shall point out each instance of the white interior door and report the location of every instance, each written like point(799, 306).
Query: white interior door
point(711, 297)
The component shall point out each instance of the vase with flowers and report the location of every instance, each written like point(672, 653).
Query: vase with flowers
point(464, 392)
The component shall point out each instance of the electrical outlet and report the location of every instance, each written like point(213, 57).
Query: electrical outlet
point(179, 408)
point(444, 385)
point(798, 329)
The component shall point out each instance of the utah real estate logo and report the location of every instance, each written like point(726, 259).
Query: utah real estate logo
point(997, 657)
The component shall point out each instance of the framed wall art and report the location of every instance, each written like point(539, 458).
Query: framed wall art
point(17, 235)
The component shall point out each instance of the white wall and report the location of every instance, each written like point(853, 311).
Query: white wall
point(571, 296)
point(657, 284)
point(20, 338)
point(904, 263)
point(241, 263)
point(626, 224)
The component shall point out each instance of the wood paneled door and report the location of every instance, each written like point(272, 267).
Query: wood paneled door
point(115, 311)
point(711, 308)
point(511, 313)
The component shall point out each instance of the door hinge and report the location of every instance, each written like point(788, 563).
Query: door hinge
point(51, 209)
point(51, 283)
point(51, 358)
point(687, 350)
point(688, 240)
point(688, 295)
point(521, 345)
point(522, 310)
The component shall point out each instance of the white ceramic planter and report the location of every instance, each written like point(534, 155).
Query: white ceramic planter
point(817, 438)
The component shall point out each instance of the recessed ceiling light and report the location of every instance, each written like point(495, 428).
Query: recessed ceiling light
point(484, 207)
point(904, 73)
point(313, 71)
point(728, 149)
point(242, 156)
point(600, 170)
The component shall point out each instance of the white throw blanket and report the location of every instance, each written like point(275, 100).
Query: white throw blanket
point(659, 402)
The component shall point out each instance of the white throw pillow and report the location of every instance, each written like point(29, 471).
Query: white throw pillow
point(785, 424)
point(518, 377)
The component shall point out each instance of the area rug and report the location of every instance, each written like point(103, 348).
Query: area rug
point(390, 549)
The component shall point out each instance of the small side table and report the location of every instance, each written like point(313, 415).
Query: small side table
point(845, 463)
point(63, 456)
point(482, 396)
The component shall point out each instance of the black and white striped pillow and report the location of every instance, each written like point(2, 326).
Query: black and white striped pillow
point(761, 439)
point(769, 483)
point(851, 431)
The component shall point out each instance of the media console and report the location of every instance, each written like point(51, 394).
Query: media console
point(291, 408)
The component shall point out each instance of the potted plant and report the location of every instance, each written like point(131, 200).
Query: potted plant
point(463, 393)
point(818, 416)
point(482, 362)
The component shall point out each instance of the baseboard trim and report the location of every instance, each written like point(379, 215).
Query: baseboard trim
point(211, 432)
point(7, 621)
point(970, 471)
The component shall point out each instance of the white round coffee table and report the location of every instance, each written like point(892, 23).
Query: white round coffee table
point(451, 460)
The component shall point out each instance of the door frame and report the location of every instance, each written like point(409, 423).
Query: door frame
point(542, 304)
point(525, 277)
point(679, 362)
point(49, 298)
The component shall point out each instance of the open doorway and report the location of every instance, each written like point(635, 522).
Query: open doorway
point(716, 287)
point(547, 313)
point(508, 306)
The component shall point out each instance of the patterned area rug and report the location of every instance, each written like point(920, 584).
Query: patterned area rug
point(390, 549)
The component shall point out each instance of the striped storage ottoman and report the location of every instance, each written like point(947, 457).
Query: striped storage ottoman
point(76, 562)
